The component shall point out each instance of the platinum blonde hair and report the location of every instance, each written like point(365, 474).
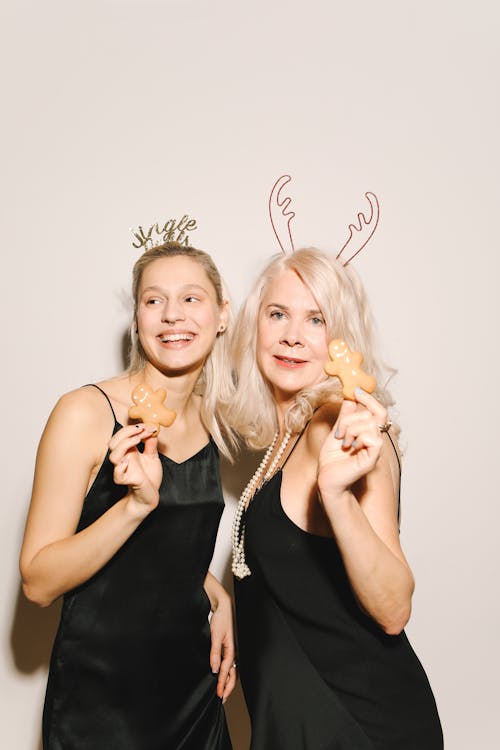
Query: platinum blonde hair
point(215, 383)
point(343, 303)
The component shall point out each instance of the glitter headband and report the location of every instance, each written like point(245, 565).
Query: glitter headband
point(172, 231)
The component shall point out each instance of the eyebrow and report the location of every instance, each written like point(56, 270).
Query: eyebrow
point(287, 309)
point(156, 288)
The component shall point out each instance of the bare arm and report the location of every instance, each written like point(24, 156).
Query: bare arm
point(222, 652)
point(55, 559)
point(359, 489)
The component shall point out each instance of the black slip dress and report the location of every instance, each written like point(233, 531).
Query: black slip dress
point(130, 664)
point(316, 672)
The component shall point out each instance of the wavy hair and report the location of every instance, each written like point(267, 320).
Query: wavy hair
point(343, 303)
point(215, 383)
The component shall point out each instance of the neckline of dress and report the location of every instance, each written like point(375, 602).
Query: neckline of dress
point(172, 460)
point(310, 534)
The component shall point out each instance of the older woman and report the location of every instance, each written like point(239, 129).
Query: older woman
point(122, 523)
point(323, 589)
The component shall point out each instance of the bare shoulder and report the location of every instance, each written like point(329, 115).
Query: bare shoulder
point(119, 390)
point(321, 425)
point(84, 408)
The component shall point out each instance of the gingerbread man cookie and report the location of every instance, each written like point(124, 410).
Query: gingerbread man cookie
point(346, 365)
point(149, 406)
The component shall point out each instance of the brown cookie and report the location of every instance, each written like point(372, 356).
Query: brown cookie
point(346, 365)
point(149, 406)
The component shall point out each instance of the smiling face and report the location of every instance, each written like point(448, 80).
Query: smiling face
point(178, 316)
point(292, 345)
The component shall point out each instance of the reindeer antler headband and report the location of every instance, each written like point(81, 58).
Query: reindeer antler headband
point(281, 217)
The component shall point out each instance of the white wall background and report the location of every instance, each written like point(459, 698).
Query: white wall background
point(119, 113)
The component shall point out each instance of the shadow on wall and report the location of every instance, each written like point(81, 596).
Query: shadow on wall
point(32, 634)
point(237, 720)
point(31, 637)
point(125, 344)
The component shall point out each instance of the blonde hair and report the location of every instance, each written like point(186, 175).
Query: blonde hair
point(343, 303)
point(215, 383)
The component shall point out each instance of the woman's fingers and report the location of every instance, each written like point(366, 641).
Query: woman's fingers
point(370, 402)
point(350, 424)
point(364, 415)
point(125, 446)
point(230, 682)
point(125, 432)
point(366, 439)
point(354, 445)
point(226, 668)
point(151, 443)
point(120, 472)
point(362, 424)
point(215, 653)
point(347, 409)
point(128, 438)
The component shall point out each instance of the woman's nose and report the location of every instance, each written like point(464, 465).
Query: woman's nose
point(292, 336)
point(172, 312)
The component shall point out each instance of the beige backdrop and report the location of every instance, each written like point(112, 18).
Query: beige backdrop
point(118, 113)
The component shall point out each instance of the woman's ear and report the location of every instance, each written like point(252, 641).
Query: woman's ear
point(224, 317)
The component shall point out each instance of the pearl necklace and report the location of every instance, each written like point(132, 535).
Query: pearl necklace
point(239, 566)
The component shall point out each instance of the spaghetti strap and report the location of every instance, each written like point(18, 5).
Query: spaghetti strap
point(93, 385)
point(399, 488)
point(295, 444)
point(395, 451)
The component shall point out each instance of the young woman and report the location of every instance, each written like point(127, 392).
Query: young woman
point(323, 589)
point(123, 524)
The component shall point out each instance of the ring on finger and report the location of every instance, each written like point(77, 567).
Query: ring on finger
point(386, 426)
point(234, 665)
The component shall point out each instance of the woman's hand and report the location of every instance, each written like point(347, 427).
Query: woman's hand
point(353, 446)
point(142, 472)
point(222, 651)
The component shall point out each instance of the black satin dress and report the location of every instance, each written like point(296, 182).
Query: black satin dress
point(317, 673)
point(130, 665)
